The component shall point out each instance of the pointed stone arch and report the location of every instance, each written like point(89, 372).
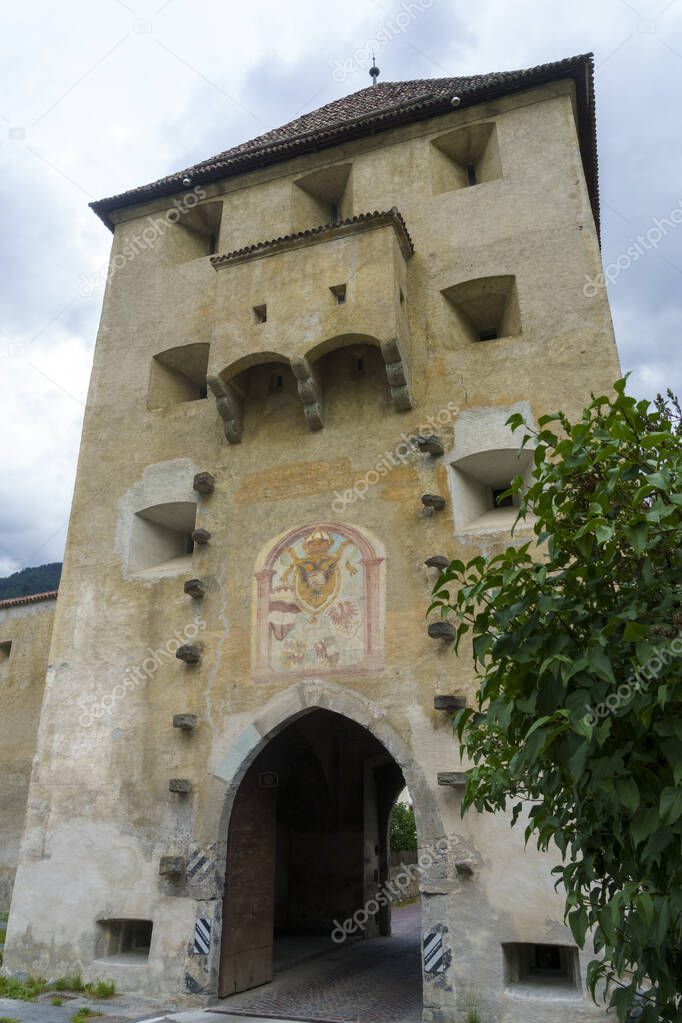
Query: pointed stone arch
point(283, 710)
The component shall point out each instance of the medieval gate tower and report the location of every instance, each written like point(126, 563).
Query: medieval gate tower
point(309, 348)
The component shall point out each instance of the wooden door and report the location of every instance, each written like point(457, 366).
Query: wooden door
point(249, 900)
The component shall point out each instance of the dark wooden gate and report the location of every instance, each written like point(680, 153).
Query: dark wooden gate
point(249, 901)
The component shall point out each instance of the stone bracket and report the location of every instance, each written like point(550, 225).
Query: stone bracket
point(454, 779)
point(172, 866)
point(309, 390)
point(449, 703)
point(396, 372)
point(442, 630)
point(230, 404)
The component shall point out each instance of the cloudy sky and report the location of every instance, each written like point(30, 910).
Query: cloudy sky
point(100, 97)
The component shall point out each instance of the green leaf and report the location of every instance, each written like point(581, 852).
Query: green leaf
point(644, 824)
point(671, 805)
point(628, 793)
point(579, 923)
point(633, 632)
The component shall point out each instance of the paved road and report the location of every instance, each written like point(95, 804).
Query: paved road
point(377, 981)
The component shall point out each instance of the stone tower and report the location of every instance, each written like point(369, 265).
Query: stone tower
point(308, 350)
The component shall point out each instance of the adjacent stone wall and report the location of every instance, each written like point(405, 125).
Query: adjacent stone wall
point(26, 623)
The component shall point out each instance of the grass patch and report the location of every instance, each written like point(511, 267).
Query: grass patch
point(473, 1014)
point(100, 988)
point(85, 1013)
point(72, 982)
point(26, 990)
point(8, 1019)
point(56, 1000)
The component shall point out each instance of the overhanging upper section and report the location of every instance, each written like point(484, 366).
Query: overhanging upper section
point(326, 232)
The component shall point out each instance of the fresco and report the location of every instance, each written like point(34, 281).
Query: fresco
point(318, 604)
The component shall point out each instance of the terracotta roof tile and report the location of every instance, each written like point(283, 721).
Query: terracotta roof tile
point(392, 216)
point(31, 598)
point(376, 108)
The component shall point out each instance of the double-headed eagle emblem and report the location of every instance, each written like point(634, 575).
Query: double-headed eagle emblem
point(315, 576)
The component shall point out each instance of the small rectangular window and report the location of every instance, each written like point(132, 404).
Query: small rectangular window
point(488, 334)
point(334, 214)
point(129, 939)
point(339, 293)
point(276, 383)
point(260, 313)
point(542, 968)
point(5, 651)
point(471, 174)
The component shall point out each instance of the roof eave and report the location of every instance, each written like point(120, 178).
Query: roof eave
point(580, 69)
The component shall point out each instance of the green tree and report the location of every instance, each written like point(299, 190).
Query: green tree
point(403, 830)
point(577, 645)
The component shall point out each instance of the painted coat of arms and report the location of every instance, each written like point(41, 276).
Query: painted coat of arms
point(318, 603)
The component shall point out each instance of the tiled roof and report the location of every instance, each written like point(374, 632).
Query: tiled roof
point(378, 108)
point(32, 598)
point(361, 221)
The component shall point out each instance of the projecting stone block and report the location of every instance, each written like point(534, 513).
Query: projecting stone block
point(190, 653)
point(182, 785)
point(438, 561)
point(185, 721)
point(449, 703)
point(172, 866)
point(201, 536)
point(204, 483)
point(195, 588)
point(429, 443)
point(434, 501)
point(455, 779)
point(442, 630)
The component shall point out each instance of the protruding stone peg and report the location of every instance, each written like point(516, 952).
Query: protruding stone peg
point(185, 721)
point(438, 561)
point(201, 536)
point(434, 501)
point(455, 779)
point(182, 785)
point(449, 703)
point(190, 653)
point(429, 444)
point(195, 588)
point(442, 630)
point(204, 483)
point(172, 866)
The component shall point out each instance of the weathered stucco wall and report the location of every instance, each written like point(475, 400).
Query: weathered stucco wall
point(28, 627)
point(100, 814)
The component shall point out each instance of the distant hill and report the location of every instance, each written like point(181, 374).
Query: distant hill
point(31, 580)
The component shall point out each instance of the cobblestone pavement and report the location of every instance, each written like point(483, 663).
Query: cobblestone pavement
point(376, 981)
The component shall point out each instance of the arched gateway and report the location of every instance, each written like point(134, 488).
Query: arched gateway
point(311, 785)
